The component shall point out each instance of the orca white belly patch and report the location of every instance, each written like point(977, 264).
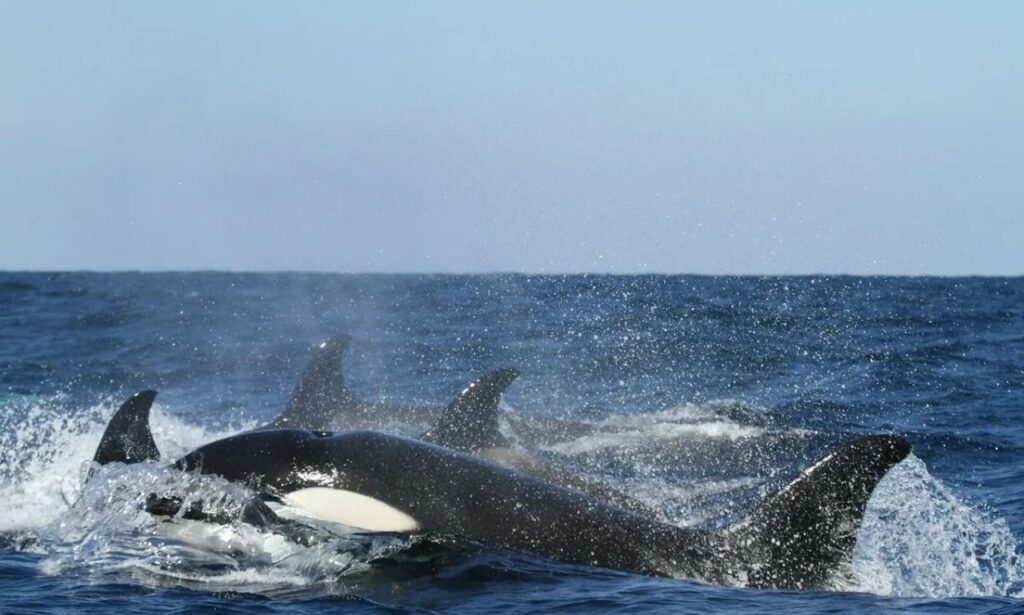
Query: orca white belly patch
point(351, 509)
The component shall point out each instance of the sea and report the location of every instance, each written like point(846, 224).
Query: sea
point(700, 396)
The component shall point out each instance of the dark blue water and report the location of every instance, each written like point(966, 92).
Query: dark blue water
point(706, 393)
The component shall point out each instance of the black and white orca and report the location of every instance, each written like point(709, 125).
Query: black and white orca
point(799, 538)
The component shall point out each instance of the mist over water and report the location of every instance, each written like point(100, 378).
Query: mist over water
point(699, 396)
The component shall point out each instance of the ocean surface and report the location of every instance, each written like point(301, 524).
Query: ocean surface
point(701, 395)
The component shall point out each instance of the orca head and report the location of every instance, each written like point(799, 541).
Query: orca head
point(127, 438)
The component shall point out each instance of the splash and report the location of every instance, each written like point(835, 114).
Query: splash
point(918, 539)
point(108, 534)
point(101, 530)
point(44, 454)
point(41, 457)
point(641, 430)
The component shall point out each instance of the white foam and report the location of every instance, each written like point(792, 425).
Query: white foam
point(102, 530)
point(41, 457)
point(918, 539)
point(44, 455)
point(252, 579)
point(637, 430)
point(652, 433)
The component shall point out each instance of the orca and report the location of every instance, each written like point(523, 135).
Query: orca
point(321, 401)
point(799, 538)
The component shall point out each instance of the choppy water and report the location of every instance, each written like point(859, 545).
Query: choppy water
point(699, 394)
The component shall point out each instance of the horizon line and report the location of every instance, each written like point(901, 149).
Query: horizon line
point(497, 273)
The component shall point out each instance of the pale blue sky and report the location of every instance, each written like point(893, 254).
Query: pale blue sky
point(719, 137)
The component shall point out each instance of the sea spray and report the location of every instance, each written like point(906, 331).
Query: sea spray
point(918, 538)
point(46, 444)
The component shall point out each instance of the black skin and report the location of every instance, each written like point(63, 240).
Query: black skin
point(454, 493)
point(795, 539)
point(458, 494)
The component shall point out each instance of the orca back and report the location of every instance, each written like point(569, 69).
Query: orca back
point(798, 538)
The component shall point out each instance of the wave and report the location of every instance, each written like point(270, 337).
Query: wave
point(918, 538)
point(46, 446)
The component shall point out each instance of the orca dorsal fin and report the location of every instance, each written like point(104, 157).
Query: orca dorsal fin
point(801, 535)
point(127, 438)
point(321, 391)
point(470, 422)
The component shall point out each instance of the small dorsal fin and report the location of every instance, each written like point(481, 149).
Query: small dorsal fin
point(321, 391)
point(127, 438)
point(470, 422)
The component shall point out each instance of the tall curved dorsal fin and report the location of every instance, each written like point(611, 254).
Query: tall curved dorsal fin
point(470, 422)
point(809, 527)
point(321, 391)
point(127, 438)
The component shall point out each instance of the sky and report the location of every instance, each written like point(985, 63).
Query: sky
point(665, 137)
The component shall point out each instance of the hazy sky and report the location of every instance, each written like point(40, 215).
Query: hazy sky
point(714, 137)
